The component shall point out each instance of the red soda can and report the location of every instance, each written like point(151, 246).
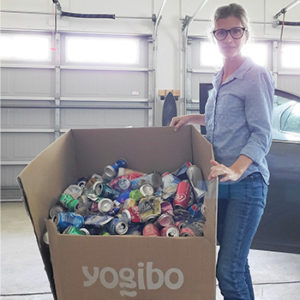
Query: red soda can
point(170, 231)
point(151, 230)
point(183, 194)
point(134, 214)
point(187, 231)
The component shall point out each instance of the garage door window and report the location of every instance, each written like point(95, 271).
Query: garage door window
point(102, 50)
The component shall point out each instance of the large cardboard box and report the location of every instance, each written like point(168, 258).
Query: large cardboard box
point(121, 267)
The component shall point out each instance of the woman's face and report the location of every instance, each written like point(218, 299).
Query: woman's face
point(230, 47)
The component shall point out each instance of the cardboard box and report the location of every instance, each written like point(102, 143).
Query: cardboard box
point(121, 267)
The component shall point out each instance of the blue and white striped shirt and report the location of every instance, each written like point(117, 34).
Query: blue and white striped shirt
point(238, 117)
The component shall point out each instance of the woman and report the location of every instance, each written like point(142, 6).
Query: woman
point(238, 124)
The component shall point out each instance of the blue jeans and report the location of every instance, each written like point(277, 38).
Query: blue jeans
point(240, 207)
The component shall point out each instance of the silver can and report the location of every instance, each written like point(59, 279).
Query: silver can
point(147, 189)
point(105, 205)
point(55, 210)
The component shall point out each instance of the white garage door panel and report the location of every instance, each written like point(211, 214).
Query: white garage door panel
point(27, 82)
point(24, 146)
point(28, 118)
point(119, 84)
point(9, 177)
point(106, 118)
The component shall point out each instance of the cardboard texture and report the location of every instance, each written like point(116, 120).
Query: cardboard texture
point(121, 267)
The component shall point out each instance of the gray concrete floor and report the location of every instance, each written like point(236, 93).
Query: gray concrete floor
point(276, 276)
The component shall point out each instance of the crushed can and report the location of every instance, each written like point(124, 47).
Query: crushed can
point(151, 229)
point(76, 231)
point(97, 220)
point(105, 191)
point(166, 207)
point(149, 208)
point(74, 190)
point(69, 202)
point(123, 197)
point(136, 195)
point(131, 214)
point(65, 219)
point(169, 184)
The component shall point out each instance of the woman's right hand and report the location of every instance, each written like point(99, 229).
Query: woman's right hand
point(178, 122)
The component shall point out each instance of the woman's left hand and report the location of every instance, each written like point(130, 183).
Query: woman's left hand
point(227, 173)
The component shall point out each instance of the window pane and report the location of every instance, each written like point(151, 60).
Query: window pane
point(211, 56)
point(25, 47)
point(290, 56)
point(258, 53)
point(102, 50)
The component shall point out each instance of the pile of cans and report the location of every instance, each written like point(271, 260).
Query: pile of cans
point(124, 201)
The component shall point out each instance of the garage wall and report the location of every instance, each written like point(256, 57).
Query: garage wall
point(101, 96)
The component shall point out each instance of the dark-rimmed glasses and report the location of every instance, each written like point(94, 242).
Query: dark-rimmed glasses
point(235, 32)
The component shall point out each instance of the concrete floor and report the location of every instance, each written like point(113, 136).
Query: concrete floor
point(276, 276)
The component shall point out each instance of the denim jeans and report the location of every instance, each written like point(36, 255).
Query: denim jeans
point(240, 207)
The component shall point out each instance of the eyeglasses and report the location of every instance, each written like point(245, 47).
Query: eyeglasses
point(235, 32)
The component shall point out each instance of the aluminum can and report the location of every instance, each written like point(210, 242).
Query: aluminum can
point(117, 226)
point(131, 214)
point(149, 208)
point(76, 231)
point(81, 182)
point(165, 220)
point(104, 190)
point(74, 190)
point(69, 202)
point(105, 205)
point(95, 177)
point(133, 173)
point(123, 196)
point(55, 210)
point(195, 210)
point(187, 231)
point(111, 171)
point(93, 230)
point(147, 189)
point(65, 219)
point(151, 230)
point(129, 203)
point(136, 195)
point(169, 184)
point(180, 224)
point(97, 220)
point(170, 231)
point(134, 229)
point(183, 194)
point(180, 213)
point(138, 182)
point(166, 207)
point(192, 229)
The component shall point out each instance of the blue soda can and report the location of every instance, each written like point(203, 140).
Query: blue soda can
point(105, 191)
point(125, 195)
point(117, 226)
point(65, 219)
point(195, 210)
point(111, 171)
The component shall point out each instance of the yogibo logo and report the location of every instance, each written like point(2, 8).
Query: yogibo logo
point(145, 277)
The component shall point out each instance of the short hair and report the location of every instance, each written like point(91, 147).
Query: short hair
point(234, 10)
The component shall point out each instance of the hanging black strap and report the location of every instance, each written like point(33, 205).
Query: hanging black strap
point(87, 16)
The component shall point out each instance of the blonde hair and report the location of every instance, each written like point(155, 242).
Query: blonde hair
point(234, 10)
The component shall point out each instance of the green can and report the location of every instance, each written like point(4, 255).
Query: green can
point(69, 202)
point(76, 231)
point(136, 195)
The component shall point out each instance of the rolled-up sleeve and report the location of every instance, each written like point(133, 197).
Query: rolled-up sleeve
point(258, 110)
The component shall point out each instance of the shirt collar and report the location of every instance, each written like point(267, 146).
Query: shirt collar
point(239, 73)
